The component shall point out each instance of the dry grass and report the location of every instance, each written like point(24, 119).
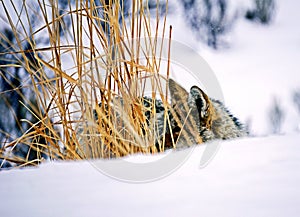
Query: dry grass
point(88, 84)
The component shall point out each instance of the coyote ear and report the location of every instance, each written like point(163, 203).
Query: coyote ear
point(198, 99)
point(178, 93)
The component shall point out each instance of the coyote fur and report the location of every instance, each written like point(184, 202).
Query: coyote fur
point(191, 118)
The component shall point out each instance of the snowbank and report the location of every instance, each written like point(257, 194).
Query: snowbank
point(247, 177)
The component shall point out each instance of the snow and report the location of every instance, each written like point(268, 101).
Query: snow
point(247, 177)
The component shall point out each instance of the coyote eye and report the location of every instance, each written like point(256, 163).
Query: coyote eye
point(206, 111)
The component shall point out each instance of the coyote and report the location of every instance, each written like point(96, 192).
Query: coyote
point(191, 118)
point(205, 118)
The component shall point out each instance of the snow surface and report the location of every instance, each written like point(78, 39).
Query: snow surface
point(247, 177)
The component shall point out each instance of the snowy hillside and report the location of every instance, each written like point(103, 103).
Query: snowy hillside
point(248, 177)
point(261, 63)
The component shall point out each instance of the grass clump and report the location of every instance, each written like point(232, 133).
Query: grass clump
point(86, 68)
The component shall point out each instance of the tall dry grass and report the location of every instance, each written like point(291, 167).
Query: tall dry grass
point(89, 79)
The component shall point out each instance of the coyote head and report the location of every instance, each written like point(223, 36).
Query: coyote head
point(192, 111)
point(201, 118)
